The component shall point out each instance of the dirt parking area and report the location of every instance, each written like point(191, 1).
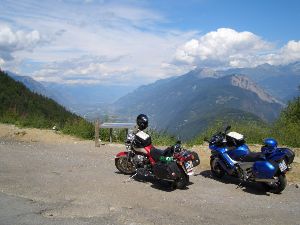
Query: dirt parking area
point(46, 178)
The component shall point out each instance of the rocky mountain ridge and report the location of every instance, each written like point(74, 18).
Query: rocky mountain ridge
point(186, 105)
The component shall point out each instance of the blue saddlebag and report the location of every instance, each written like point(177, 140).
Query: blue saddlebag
point(264, 170)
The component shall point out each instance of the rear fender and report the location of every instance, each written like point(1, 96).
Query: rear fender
point(289, 154)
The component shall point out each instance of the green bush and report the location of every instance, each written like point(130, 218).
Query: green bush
point(118, 135)
point(80, 128)
point(161, 138)
point(287, 128)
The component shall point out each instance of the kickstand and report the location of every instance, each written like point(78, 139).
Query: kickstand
point(130, 178)
point(240, 185)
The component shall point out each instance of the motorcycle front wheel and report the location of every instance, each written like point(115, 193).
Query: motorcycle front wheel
point(216, 169)
point(278, 186)
point(124, 165)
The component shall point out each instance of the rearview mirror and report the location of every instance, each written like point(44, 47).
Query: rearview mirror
point(227, 128)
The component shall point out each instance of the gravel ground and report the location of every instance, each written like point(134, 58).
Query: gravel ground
point(75, 183)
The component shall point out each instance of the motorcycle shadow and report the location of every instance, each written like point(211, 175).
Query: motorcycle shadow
point(248, 187)
point(166, 186)
point(158, 184)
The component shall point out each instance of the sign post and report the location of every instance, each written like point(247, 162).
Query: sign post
point(97, 127)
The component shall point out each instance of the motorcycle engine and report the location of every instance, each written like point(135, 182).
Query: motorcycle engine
point(139, 161)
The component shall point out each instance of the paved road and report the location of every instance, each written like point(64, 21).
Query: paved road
point(76, 183)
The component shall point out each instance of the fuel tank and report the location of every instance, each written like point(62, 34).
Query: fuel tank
point(238, 152)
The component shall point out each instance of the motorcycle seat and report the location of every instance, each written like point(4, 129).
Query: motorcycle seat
point(157, 153)
point(253, 157)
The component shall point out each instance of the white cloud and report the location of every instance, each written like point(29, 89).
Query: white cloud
point(113, 41)
point(224, 47)
point(229, 48)
point(12, 41)
point(110, 30)
point(290, 52)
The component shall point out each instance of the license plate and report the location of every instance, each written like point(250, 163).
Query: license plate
point(282, 166)
point(189, 168)
point(188, 165)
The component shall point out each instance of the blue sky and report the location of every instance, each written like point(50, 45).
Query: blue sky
point(275, 20)
point(140, 41)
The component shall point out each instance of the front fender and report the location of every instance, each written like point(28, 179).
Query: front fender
point(121, 154)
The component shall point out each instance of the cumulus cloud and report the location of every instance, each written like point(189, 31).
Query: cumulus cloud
point(127, 31)
point(118, 42)
point(288, 53)
point(12, 41)
point(224, 47)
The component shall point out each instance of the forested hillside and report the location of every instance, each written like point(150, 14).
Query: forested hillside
point(22, 107)
point(287, 128)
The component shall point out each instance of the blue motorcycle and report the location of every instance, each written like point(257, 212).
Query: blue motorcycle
point(230, 155)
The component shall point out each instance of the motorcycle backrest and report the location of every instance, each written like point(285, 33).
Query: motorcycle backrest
point(236, 135)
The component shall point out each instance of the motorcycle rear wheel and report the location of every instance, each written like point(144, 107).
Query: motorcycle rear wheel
point(124, 165)
point(278, 186)
point(216, 169)
point(182, 181)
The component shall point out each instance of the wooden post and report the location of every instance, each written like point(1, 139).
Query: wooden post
point(97, 127)
point(110, 135)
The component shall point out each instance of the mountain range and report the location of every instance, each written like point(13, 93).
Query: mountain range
point(281, 81)
point(184, 105)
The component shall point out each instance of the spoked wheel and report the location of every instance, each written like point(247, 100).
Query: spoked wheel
point(216, 169)
point(124, 165)
point(278, 186)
